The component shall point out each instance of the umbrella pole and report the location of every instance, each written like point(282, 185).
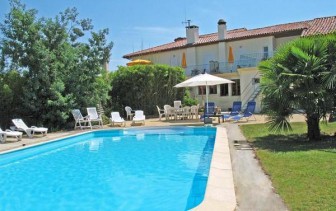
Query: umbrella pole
point(207, 99)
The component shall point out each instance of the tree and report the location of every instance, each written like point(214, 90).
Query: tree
point(300, 77)
point(60, 72)
point(11, 89)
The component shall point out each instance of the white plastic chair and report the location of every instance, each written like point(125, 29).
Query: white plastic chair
point(139, 117)
point(161, 112)
point(20, 125)
point(194, 111)
point(116, 119)
point(169, 111)
point(129, 112)
point(79, 119)
point(93, 116)
point(186, 112)
point(7, 133)
point(177, 104)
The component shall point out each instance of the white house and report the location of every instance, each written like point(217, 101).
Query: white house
point(232, 54)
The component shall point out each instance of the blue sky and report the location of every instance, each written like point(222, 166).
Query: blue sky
point(141, 24)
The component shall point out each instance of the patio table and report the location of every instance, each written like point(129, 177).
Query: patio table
point(219, 116)
point(176, 112)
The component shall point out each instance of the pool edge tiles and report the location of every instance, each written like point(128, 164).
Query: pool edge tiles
point(220, 192)
point(49, 141)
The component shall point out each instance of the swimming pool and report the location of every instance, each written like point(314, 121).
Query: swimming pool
point(130, 169)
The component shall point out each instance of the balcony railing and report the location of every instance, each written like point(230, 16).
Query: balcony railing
point(213, 67)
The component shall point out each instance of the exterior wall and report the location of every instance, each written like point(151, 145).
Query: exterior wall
point(225, 102)
point(200, 56)
point(280, 41)
point(173, 58)
point(249, 46)
point(191, 56)
point(247, 85)
point(206, 53)
point(222, 52)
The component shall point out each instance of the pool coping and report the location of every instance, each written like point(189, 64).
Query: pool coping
point(220, 192)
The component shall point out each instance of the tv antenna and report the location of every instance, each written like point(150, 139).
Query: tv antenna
point(186, 23)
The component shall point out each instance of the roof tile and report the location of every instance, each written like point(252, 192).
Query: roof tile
point(311, 27)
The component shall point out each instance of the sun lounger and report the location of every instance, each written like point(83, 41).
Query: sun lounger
point(116, 119)
point(80, 121)
point(249, 111)
point(139, 117)
point(7, 133)
point(21, 126)
point(93, 116)
point(236, 110)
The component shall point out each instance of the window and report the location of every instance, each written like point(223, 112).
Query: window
point(213, 89)
point(265, 55)
point(224, 90)
point(201, 90)
point(236, 87)
point(255, 80)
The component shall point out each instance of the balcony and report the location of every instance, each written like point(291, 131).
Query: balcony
point(213, 67)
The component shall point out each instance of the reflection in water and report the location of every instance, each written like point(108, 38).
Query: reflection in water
point(140, 136)
point(94, 145)
point(116, 139)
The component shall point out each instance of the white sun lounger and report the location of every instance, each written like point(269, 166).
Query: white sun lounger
point(116, 119)
point(80, 121)
point(7, 133)
point(20, 125)
point(94, 116)
point(139, 117)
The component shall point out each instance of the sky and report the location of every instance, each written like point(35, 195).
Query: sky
point(136, 25)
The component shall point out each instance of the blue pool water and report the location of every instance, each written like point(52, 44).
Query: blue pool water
point(131, 169)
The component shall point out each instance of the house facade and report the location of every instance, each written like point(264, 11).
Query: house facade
point(232, 54)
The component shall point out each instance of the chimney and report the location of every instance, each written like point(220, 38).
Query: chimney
point(221, 29)
point(192, 34)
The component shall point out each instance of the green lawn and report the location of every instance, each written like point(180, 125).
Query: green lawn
point(302, 172)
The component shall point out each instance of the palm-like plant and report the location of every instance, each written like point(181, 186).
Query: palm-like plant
point(300, 78)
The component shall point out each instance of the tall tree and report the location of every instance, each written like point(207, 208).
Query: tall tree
point(11, 91)
point(61, 72)
point(300, 77)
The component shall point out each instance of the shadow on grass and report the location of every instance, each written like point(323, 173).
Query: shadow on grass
point(294, 142)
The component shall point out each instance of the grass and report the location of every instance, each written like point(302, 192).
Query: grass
point(302, 172)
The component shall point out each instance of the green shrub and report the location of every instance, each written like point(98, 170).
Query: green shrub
point(188, 100)
point(145, 86)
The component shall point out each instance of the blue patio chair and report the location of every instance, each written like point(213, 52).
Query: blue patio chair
point(209, 109)
point(236, 109)
point(249, 111)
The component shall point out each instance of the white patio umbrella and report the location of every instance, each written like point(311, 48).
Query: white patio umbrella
point(203, 80)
